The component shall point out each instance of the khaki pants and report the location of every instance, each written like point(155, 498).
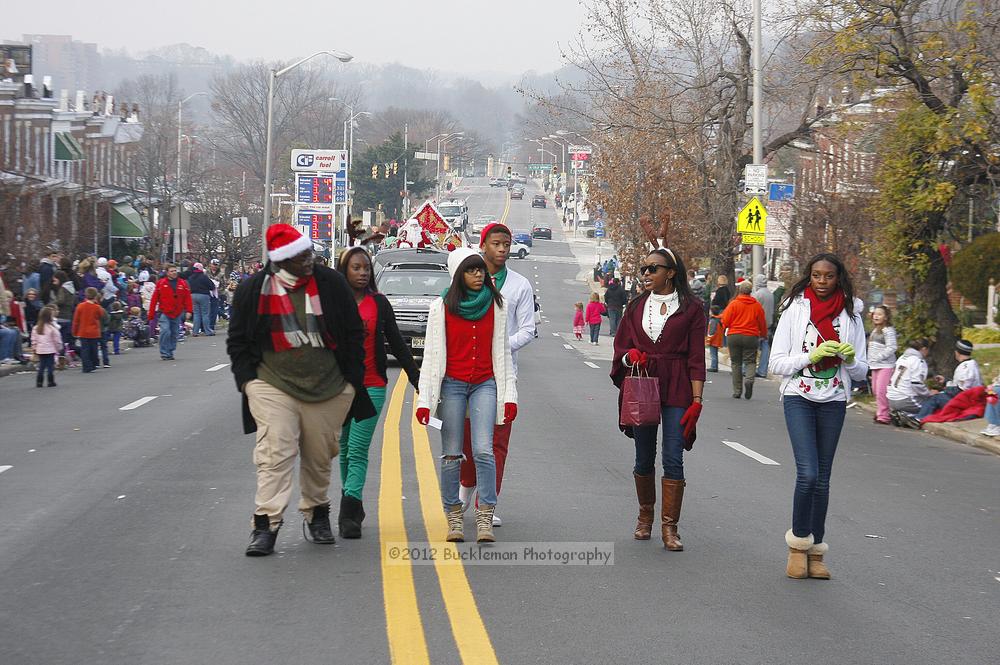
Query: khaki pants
point(287, 427)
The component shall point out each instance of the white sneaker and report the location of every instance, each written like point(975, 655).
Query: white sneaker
point(467, 496)
point(496, 519)
point(991, 430)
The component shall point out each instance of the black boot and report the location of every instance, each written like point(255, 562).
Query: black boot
point(38, 381)
point(52, 381)
point(748, 389)
point(319, 526)
point(262, 538)
point(352, 513)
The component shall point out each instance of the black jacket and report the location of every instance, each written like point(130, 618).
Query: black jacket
point(201, 283)
point(615, 296)
point(387, 330)
point(250, 335)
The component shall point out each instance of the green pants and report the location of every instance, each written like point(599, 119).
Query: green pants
point(355, 439)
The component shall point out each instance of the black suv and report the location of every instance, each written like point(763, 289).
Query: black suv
point(538, 201)
point(411, 288)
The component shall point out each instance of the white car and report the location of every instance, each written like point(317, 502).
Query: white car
point(518, 250)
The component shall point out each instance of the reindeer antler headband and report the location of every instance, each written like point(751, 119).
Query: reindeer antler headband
point(657, 237)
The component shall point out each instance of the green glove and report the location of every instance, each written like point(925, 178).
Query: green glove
point(824, 350)
point(847, 353)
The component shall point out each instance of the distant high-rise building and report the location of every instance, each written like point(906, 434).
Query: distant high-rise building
point(72, 64)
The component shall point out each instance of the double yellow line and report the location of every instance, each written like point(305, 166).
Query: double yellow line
point(404, 626)
point(506, 209)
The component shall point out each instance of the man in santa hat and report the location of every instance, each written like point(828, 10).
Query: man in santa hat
point(296, 342)
point(519, 302)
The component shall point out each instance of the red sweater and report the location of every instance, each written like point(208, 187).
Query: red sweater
point(87, 320)
point(470, 347)
point(171, 303)
point(594, 312)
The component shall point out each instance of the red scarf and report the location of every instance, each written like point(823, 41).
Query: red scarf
point(822, 313)
point(285, 330)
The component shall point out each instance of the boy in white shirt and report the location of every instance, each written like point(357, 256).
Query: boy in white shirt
point(967, 375)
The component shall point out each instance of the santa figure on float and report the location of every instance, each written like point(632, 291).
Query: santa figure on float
point(411, 234)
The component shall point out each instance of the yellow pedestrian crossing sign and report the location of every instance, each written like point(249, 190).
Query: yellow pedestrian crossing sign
point(753, 218)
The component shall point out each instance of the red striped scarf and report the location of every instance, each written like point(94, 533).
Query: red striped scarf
point(285, 330)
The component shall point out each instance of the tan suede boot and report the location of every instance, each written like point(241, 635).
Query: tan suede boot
point(670, 513)
point(484, 523)
point(798, 562)
point(645, 491)
point(455, 529)
point(818, 569)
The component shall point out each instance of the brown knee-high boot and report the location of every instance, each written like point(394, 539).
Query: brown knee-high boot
point(670, 514)
point(645, 491)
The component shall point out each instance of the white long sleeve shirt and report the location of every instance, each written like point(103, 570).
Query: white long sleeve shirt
point(908, 377)
point(967, 375)
point(519, 302)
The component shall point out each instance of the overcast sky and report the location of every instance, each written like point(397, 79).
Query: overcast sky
point(509, 36)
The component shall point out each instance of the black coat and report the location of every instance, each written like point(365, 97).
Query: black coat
point(388, 331)
point(250, 335)
point(615, 296)
point(200, 283)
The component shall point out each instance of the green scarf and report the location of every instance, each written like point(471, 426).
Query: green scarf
point(475, 304)
point(500, 278)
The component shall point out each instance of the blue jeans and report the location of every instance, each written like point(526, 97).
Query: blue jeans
point(202, 310)
point(213, 312)
point(595, 332)
point(673, 445)
point(765, 355)
point(713, 354)
point(936, 402)
point(992, 414)
point(614, 317)
point(88, 353)
point(814, 428)
point(10, 343)
point(480, 401)
point(169, 329)
point(46, 366)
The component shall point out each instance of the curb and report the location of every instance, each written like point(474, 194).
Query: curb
point(946, 431)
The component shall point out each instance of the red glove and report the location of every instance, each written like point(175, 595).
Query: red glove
point(636, 357)
point(509, 413)
point(423, 416)
point(991, 397)
point(690, 419)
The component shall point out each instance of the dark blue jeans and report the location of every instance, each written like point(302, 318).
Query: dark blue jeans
point(814, 428)
point(46, 367)
point(673, 445)
point(89, 353)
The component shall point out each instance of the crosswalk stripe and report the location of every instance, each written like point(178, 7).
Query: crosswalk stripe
point(4, 467)
point(216, 368)
point(752, 454)
point(139, 402)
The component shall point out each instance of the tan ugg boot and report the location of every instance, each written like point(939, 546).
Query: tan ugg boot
point(645, 491)
point(455, 529)
point(818, 569)
point(798, 548)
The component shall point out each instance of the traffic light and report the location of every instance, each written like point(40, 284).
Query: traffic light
point(395, 168)
point(508, 170)
point(374, 171)
point(555, 170)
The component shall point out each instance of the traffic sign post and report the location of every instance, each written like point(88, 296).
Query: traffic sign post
point(752, 218)
point(780, 191)
point(320, 222)
point(755, 179)
point(241, 227)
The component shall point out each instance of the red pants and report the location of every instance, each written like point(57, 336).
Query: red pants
point(501, 439)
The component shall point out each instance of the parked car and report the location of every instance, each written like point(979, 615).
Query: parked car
point(411, 288)
point(494, 182)
point(538, 201)
point(586, 227)
point(517, 193)
point(541, 231)
point(519, 250)
point(522, 237)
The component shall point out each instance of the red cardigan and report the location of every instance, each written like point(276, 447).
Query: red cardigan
point(677, 359)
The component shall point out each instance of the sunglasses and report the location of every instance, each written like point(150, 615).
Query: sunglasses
point(651, 268)
point(475, 270)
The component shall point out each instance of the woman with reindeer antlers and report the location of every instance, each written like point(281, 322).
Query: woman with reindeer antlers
point(663, 333)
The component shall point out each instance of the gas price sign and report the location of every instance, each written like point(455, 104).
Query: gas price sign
point(320, 223)
point(314, 190)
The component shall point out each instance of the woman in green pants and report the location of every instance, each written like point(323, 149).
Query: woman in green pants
point(380, 328)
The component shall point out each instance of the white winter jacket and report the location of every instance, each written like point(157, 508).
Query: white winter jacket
point(787, 357)
point(435, 363)
point(883, 355)
point(908, 377)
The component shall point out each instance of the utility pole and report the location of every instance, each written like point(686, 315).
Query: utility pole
point(757, 257)
point(406, 159)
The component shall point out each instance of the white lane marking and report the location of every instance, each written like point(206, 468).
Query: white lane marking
point(217, 367)
point(567, 346)
point(5, 467)
point(590, 364)
point(139, 402)
point(555, 334)
point(752, 454)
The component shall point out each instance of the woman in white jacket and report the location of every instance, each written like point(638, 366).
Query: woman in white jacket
point(818, 349)
point(881, 359)
point(468, 368)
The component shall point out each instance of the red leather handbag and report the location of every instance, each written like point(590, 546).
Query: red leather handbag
point(640, 400)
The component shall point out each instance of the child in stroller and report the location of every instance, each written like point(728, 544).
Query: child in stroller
point(135, 328)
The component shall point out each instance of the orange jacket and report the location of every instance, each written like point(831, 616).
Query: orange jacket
point(715, 339)
point(87, 320)
point(744, 316)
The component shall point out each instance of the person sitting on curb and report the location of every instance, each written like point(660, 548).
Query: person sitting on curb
point(967, 375)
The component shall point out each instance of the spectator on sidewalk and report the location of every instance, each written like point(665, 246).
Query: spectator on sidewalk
point(10, 339)
point(992, 413)
point(117, 320)
point(766, 299)
point(202, 287)
point(723, 294)
point(578, 320)
point(32, 307)
point(46, 344)
point(745, 325)
point(716, 338)
point(87, 328)
point(595, 310)
point(170, 301)
point(907, 389)
point(105, 335)
point(47, 268)
point(882, 360)
point(63, 298)
point(615, 299)
point(967, 375)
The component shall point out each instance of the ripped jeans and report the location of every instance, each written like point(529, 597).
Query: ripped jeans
point(480, 401)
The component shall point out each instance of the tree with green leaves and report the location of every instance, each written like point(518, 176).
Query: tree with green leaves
point(377, 177)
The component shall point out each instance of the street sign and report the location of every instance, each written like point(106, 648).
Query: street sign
point(753, 218)
point(779, 215)
point(319, 160)
point(429, 156)
point(598, 233)
point(780, 191)
point(320, 222)
point(580, 152)
point(599, 224)
point(430, 219)
point(755, 179)
point(321, 189)
point(753, 238)
point(241, 227)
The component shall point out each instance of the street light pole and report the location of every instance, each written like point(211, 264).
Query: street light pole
point(757, 255)
point(437, 174)
point(274, 74)
point(180, 105)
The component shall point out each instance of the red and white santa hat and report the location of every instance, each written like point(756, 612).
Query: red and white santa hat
point(284, 241)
